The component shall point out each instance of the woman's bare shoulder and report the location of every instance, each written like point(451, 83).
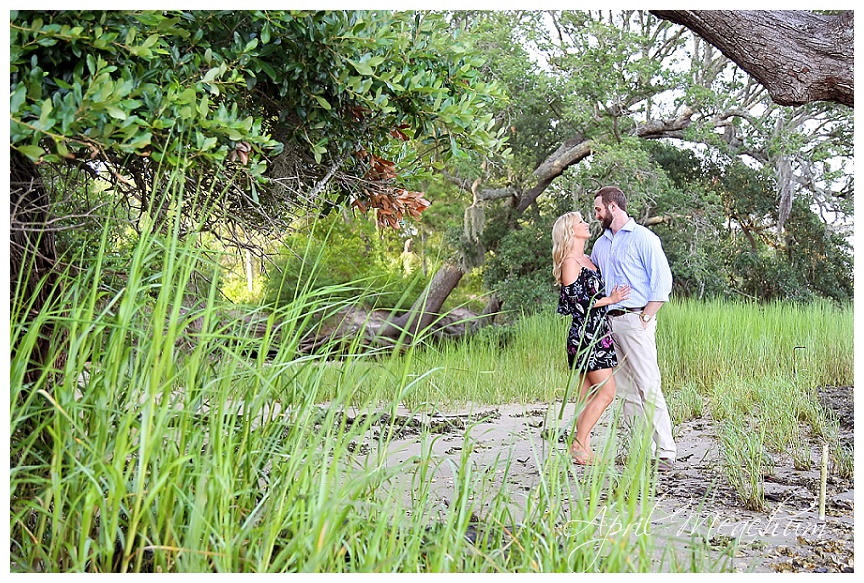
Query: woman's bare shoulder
point(570, 269)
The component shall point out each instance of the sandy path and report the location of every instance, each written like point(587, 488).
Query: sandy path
point(694, 500)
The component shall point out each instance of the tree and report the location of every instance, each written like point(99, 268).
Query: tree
point(798, 55)
point(260, 112)
point(610, 85)
point(732, 243)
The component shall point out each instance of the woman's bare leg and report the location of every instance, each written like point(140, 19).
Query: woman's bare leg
point(602, 383)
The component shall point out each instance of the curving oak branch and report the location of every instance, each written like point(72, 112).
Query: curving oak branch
point(799, 56)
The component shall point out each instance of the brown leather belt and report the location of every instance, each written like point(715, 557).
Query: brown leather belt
point(621, 312)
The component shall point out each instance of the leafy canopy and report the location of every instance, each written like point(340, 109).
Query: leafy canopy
point(284, 95)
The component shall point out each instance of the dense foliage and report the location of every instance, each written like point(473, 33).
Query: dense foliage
point(266, 111)
point(735, 245)
point(334, 252)
point(718, 225)
point(300, 105)
point(750, 199)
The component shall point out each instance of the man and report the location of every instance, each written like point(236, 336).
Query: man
point(630, 254)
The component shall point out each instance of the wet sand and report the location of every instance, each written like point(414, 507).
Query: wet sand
point(694, 502)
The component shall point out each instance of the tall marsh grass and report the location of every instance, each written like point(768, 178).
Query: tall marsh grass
point(710, 342)
point(170, 439)
point(758, 368)
point(701, 346)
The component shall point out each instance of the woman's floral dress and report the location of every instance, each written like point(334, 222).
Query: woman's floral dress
point(589, 342)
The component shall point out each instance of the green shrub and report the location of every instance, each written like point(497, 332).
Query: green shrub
point(332, 253)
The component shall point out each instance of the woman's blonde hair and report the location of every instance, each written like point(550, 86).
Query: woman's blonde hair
point(562, 241)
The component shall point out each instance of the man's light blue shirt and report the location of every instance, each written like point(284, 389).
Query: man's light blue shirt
point(633, 256)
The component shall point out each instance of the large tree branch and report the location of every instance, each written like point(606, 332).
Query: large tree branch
point(799, 56)
point(569, 153)
point(665, 128)
point(461, 183)
point(578, 148)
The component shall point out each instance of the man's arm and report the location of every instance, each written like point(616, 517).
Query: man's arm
point(651, 308)
point(659, 276)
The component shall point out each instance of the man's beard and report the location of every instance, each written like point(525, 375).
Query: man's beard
point(606, 221)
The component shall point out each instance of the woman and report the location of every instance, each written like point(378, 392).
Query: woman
point(589, 342)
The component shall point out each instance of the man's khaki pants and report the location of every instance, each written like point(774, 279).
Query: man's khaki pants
point(637, 380)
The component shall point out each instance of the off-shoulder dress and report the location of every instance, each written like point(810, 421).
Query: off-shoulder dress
point(589, 341)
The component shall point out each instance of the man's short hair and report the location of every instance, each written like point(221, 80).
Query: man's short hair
point(612, 194)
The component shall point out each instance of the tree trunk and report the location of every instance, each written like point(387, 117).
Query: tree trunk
point(427, 308)
point(32, 257)
point(799, 56)
point(487, 316)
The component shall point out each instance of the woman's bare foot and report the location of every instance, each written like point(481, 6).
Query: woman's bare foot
point(581, 455)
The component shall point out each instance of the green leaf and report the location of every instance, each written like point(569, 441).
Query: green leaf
point(151, 40)
point(140, 141)
point(318, 150)
point(142, 52)
point(19, 96)
point(323, 102)
point(115, 112)
point(210, 75)
point(362, 68)
point(62, 150)
point(257, 169)
point(204, 106)
point(32, 152)
point(47, 108)
point(271, 72)
point(188, 96)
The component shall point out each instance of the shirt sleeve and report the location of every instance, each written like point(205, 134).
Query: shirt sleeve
point(657, 270)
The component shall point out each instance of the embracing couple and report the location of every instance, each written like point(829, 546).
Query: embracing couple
point(615, 330)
